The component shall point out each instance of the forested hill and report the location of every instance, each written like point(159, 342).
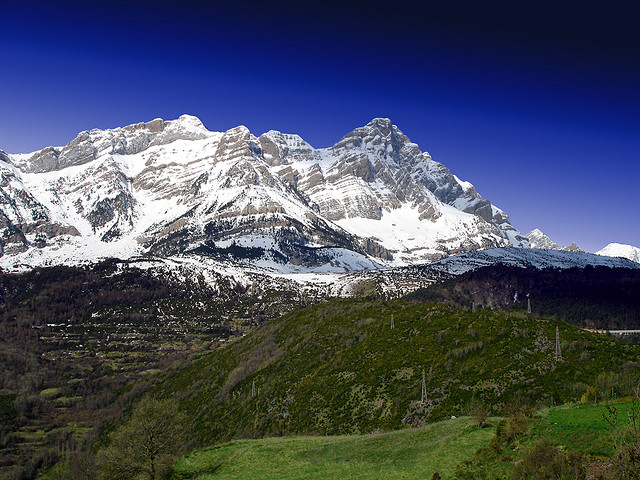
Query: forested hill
point(596, 297)
point(353, 366)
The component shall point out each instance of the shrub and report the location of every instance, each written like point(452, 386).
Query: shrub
point(626, 460)
point(588, 395)
point(146, 445)
point(480, 413)
point(514, 427)
point(545, 461)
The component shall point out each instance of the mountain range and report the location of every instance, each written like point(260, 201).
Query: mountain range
point(165, 188)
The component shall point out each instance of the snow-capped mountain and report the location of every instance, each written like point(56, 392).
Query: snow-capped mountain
point(620, 250)
point(537, 239)
point(170, 187)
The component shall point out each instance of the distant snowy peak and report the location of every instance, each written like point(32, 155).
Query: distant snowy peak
point(173, 187)
point(537, 239)
point(620, 250)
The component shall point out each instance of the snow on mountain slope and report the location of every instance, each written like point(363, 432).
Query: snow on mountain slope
point(526, 257)
point(378, 184)
point(620, 250)
point(170, 187)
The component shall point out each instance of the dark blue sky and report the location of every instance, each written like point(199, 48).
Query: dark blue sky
point(536, 104)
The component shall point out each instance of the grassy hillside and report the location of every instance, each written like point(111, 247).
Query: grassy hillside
point(452, 448)
point(570, 441)
point(407, 454)
point(339, 368)
point(580, 427)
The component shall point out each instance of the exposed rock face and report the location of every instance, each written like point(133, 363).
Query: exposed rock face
point(373, 169)
point(572, 248)
point(537, 239)
point(168, 187)
point(132, 139)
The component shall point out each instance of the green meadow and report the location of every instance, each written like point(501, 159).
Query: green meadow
point(403, 454)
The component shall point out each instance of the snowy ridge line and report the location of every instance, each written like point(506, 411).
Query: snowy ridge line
point(388, 282)
point(527, 257)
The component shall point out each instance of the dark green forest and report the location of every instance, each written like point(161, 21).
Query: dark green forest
point(595, 297)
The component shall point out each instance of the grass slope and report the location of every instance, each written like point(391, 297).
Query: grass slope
point(339, 368)
point(406, 454)
point(454, 448)
point(580, 427)
point(576, 433)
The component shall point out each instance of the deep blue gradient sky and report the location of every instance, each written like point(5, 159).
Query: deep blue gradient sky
point(538, 105)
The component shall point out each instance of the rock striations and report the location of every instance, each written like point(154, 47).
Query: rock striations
point(173, 187)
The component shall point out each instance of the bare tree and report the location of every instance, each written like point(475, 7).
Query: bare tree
point(626, 460)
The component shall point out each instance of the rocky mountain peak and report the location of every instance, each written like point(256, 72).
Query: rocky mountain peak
point(284, 148)
point(128, 140)
point(537, 239)
point(382, 125)
point(189, 121)
point(572, 248)
point(167, 187)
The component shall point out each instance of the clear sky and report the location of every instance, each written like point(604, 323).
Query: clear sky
point(537, 104)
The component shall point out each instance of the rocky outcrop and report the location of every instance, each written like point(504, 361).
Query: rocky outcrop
point(572, 248)
point(537, 239)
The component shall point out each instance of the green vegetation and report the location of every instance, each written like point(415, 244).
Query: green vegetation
point(7, 410)
point(408, 454)
point(579, 427)
point(147, 445)
point(338, 368)
point(74, 340)
point(571, 441)
point(80, 347)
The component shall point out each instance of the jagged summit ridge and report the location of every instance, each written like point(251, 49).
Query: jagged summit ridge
point(90, 144)
point(174, 187)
